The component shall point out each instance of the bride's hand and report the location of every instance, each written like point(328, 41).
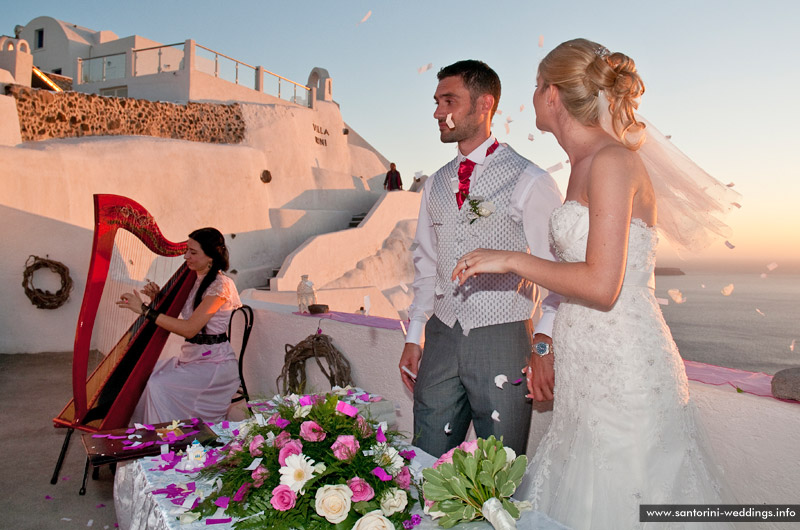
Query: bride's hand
point(150, 290)
point(482, 261)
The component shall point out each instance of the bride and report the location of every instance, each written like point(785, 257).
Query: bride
point(623, 432)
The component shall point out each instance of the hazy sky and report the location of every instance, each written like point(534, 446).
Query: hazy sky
point(722, 76)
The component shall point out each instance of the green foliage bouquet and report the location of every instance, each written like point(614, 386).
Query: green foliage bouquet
point(475, 481)
point(312, 462)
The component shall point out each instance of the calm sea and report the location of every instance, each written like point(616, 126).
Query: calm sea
point(754, 328)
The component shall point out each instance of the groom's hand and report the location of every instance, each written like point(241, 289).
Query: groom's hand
point(412, 353)
point(541, 376)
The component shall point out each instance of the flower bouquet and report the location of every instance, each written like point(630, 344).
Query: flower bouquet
point(479, 207)
point(312, 462)
point(475, 481)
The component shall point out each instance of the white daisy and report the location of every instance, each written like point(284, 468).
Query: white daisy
point(298, 470)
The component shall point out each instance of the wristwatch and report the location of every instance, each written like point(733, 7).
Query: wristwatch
point(542, 348)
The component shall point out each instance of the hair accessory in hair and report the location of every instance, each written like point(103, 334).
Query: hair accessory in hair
point(602, 52)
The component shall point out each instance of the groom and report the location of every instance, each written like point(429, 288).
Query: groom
point(483, 328)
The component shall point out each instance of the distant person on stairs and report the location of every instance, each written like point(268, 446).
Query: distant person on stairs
point(393, 181)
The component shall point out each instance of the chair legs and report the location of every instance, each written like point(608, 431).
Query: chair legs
point(82, 491)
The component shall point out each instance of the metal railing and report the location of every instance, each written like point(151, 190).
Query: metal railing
point(172, 57)
point(102, 68)
point(304, 91)
point(158, 59)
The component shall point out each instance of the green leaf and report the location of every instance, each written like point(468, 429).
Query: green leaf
point(511, 508)
point(471, 467)
point(451, 506)
point(507, 489)
point(501, 477)
point(739, 390)
point(436, 493)
point(448, 522)
point(485, 478)
point(499, 460)
point(517, 470)
point(469, 513)
point(458, 459)
point(447, 471)
point(458, 487)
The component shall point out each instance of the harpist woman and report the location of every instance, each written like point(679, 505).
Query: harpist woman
point(202, 380)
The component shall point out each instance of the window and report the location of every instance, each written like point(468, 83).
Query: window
point(57, 71)
point(38, 39)
point(117, 92)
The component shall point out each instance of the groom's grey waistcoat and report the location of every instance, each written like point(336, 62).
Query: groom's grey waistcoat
point(488, 298)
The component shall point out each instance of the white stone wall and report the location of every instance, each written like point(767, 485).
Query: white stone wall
point(46, 193)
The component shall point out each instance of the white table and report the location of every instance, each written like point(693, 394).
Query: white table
point(138, 509)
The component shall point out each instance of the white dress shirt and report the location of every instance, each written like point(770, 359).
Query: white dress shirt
point(534, 199)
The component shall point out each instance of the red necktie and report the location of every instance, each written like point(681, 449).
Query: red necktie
point(465, 172)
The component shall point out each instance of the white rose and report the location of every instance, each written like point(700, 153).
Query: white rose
point(373, 521)
point(510, 455)
point(393, 501)
point(333, 502)
point(486, 209)
point(302, 411)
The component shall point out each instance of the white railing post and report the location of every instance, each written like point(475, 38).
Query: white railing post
point(189, 57)
point(260, 78)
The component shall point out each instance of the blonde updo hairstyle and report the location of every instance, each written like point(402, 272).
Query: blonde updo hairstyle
point(580, 69)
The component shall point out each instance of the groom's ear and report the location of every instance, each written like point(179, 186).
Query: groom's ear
point(486, 103)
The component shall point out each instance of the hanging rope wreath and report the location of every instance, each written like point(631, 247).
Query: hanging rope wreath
point(46, 299)
point(319, 347)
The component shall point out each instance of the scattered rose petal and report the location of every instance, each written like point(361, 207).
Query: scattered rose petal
point(499, 112)
point(65, 477)
point(495, 415)
point(662, 301)
point(447, 429)
point(90, 522)
point(763, 275)
point(760, 312)
point(702, 286)
point(736, 204)
point(206, 354)
point(500, 380)
point(222, 502)
point(382, 474)
point(730, 245)
point(557, 167)
point(517, 381)
point(346, 409)
point(731, 184)
point(449, 121)
point(531, 137)
point(509, 119)
point(366, 17)
point(791, 346)
point(541, 41)
point(521, 108)
point(101, 505)
point(423, 69)
point(772, 266)
point(48, 497)
point(727, 290)
point(676, 296)
point(508, 129)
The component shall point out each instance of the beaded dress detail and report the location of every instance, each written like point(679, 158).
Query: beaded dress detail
point(623, 431)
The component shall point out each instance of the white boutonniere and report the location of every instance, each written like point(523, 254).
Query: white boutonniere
point(479, 207)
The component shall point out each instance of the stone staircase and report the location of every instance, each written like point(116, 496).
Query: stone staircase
point(354, 223)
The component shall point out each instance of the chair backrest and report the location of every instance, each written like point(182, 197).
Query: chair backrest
point(247, 314)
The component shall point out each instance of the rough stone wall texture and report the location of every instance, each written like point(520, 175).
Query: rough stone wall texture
point(44, 114)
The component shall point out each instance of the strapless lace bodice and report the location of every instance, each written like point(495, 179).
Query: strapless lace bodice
point(569, 231)
point(623, 430)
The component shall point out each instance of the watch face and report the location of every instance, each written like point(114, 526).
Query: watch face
point(541, 348)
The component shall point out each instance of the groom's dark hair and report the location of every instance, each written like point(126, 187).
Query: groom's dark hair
point(477, 76)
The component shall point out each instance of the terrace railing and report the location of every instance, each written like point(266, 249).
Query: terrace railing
point(174, 57)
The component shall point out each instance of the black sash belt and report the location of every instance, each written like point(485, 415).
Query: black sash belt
point(202, 338)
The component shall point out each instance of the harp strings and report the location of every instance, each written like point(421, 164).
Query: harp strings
point(132, 266)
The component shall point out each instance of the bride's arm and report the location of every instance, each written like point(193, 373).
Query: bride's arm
point(611, 190)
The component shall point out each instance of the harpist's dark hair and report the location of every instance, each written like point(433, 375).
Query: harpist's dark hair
point(212, 242)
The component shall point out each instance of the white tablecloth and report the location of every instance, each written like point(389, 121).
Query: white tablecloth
point(138, 509)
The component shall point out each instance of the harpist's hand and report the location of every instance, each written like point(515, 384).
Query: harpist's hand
point(150, 290)
point(132, 301)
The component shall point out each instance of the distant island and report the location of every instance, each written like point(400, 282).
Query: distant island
point(669, 271)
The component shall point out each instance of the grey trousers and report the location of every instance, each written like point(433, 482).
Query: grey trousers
point(455, 385)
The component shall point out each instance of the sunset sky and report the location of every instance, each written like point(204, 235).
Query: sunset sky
point(721, 76)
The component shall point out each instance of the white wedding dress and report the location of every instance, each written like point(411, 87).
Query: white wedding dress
point(623, 431)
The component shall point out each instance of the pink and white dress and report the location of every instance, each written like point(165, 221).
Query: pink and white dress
point(202, 380)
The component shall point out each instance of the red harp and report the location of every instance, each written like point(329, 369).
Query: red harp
point(106, 398)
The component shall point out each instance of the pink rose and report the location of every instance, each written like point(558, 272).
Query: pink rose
point(292, 447)
point(364, 427)
point(403, 479)
point(283, 498)
point(345, 447)
point(259, 474)
point(234, 447)
point(255, 445)
point(469, 447)
point(447, 458)
point(275, 419)
point(310, 431)
point(281, 439)
point(361, 489)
